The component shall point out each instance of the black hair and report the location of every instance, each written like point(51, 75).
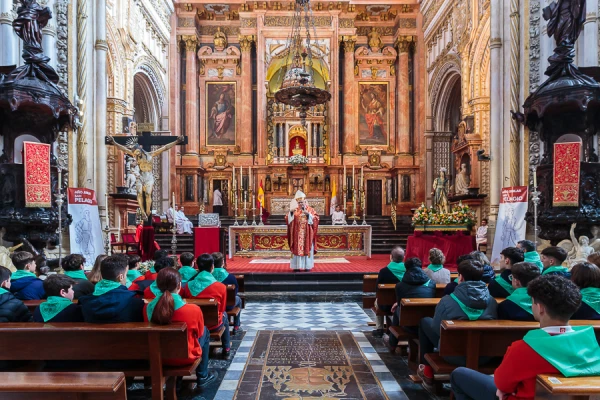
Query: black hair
point(413, 262)
point(218, 259)
point(560, 296)
point(54, 283)
point(164, 262)
point(555, 252)
point(160, 254)
point(21, 258)
point(464, 257)
point(113, 266)
point(470, 270)
point(513, 254)
point(73, 262)
point(134, 259)
point(204, 262)
point(186, 259)
point(525, 272)
point(4, 274)
point(526, 245)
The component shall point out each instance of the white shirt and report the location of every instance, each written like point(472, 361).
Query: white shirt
point(338, 218)
point(217, 198)
point(481, 235)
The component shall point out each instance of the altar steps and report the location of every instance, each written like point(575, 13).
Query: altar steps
point(184, 242)
point(303, 282)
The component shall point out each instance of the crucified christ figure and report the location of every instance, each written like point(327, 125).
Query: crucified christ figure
point(145, 180)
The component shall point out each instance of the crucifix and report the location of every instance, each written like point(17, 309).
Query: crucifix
point(140, 148)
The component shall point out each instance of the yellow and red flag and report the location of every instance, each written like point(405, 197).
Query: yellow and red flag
point(261, 196)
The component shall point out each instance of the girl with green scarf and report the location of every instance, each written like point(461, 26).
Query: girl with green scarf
point(587, 277)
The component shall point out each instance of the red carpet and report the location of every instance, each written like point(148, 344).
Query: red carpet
point(357, 264)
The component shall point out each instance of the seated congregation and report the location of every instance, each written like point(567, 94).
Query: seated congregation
point(117, 291)
point(529, 303)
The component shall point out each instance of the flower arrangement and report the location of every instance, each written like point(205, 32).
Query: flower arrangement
point(298, 159)
point(145, 266)
point(461, 215)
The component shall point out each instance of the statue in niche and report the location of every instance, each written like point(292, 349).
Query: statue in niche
point(220, 40)
point(440, 192)
point(375, 42)
point(462, 182)
point(297, 150)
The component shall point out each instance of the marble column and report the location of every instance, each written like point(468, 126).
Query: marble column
point(246, 95)
point(349, 133)
point(100, 89)
point(402, 120)
point(191, 95)
point(8, 54)
point(496, 105)
point(590, 33)
point(49, 36)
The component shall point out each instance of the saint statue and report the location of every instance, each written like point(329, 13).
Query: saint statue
point(440, 192)
point(375, 42)
point(461, 185)
point(581, 249)
point(302, 224)
point(297, 150)
point(220, 40)
point(145, 179)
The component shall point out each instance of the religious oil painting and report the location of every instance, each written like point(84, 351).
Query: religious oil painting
point(220, 113)
point(373, 113)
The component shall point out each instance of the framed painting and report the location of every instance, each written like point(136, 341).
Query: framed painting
point(220, 113)
point(373, 113)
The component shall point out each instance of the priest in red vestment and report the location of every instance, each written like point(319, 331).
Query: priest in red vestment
point(302, 224)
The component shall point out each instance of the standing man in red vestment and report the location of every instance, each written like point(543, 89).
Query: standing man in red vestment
point(302, 224)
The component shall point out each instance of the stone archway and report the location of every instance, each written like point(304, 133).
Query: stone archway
point(146, 103)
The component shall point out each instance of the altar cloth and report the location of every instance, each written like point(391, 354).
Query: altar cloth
point(452, 246)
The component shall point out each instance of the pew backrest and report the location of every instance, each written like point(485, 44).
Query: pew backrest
point(559, 387)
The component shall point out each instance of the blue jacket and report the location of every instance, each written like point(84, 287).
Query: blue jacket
point(585, 312)
point(28, 288)
point(230, 280)
point(117, 305)
point(71, 313)
point(509, 310)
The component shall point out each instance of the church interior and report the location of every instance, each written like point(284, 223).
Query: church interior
point(300, 199)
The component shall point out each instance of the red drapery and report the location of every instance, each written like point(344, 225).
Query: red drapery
point(452, 246)
point(567, 157)
point(206, 240)
point(37, 174)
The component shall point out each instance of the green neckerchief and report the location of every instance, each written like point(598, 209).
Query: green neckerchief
point(51, 307)
point(534, 257)
point(152, 269)
point(187, 273)
point(472, 313)
point(555, 268)
point(572, 353)
point(398, 269)
point(521, 298)
point(435, 267)
point(203, 280)
point(2, 291)
point(154, 289)
point(21, 273)
point(105, 286)
point(79, 274)
point(220, 274)
point(128, 283)
point(177, 300)
point(427, 283)
point(133, 274)
point(456, 280)
point(591, 297)
point(506, 285)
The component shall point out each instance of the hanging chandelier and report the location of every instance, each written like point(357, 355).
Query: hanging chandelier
point(298, 86)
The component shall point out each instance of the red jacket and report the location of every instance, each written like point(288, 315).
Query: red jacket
point(192, 316)
point(519, 369)
point(148, 294)
point(216, 291)
point(150, 276)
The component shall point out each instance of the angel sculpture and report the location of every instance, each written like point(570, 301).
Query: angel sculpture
point(577, 250)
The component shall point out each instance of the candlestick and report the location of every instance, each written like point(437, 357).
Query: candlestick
point(362, 177)
point(353, 181)
point(173, 203)
point(535, 176)
point(250, 178)
point(241, 177)
point(260, 221)
point(233, 176)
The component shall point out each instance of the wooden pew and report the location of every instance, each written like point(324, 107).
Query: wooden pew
point(369, 288)
point(241, 291)
point(235, 311)
point(474, 339)
point(63, 386)
point(84, 341)
point(557, 387)
point(386, 296)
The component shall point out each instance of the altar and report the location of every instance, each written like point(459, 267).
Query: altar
point(271, 241)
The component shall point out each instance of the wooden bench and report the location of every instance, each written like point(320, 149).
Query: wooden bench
point(557, 387)
point(241, 291)
point(386, 297)
point(235, 311)
point(63, 386)
point(83, 341)
point(369, 289)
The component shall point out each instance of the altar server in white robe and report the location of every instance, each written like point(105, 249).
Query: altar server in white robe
point(338, 217)
point(184, 225)
point(171, 213)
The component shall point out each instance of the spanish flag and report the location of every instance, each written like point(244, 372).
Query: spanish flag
point(261, 195)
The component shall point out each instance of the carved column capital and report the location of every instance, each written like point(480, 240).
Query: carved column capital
point(403, 43)
point(191, 42)
point(246, 42)
point(349, 42)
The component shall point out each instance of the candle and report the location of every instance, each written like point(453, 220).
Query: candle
point(105, 201)
point(353, 178)
point(241, 178)
point(249, 178)
point(253, 202)
point(535, 177)
point(362, 178)
point(233, 176)
point(173, 203)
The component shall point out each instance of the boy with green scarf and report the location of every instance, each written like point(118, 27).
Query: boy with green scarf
point(187, 270)
point(553, 257)
point(393, 273)
point(501, 286)
point(24, 283)
point(531, 255)
point(555, 348)
point(59, 306)
point(11, 308)
point(517, 306)
point(73, 267)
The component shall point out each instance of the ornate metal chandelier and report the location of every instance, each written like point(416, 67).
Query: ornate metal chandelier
point(298, 86)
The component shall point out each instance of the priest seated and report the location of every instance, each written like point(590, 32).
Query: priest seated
point(183, 224)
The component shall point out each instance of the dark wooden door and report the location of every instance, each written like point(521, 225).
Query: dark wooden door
point(374, 193)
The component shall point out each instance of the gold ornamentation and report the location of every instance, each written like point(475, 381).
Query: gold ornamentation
point(190, 41)
point(392, 70)
point(349, 42)
point(319, 21)
point(346, 23)
point(245, 240)
point(381, 30)
point(407, 23)
point(374, 159)
point(354, 241)
point(374, 72)
point(248, 22)
point(246, 42)
point(403, 43)
point(375, 42)
point(185, 22)
point(210, 30)
point(220, 40)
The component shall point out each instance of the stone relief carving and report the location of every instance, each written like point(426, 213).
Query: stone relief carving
point(381, 30)
point(407, 23)
point(211, 30)
point(248, 22)
point(62, 31)
point(185, 22)
point(346, 23)
point(534, 45)
point(319, 21)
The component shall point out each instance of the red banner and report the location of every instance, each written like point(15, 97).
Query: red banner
point(36, 158)
point(567, 158)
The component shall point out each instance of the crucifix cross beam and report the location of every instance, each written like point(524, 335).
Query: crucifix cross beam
point(145, 139)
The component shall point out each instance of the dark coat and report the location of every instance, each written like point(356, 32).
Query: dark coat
point(82, 287)
point(230, 280)
point(498, 291)
point(585, 312)
point(509, 310)
point(71, 313)
point(28, 288)
point(13, 309)
point(415, 284)
point(386, 276)
point(117, 305)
